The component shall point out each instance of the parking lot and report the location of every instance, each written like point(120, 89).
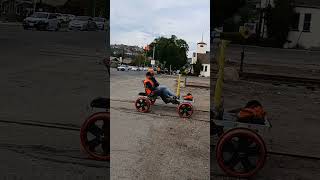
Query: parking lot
point(48, 79)
point(159, 143)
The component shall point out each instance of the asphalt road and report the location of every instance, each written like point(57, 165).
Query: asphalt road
point(47, 80)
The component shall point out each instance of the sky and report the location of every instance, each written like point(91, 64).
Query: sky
point(139, 22)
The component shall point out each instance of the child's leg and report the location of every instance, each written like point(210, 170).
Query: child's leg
point(166, 91)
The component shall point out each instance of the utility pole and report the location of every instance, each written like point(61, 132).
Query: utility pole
point(242, 57)
point(154, 49)
point(93, 8)
point(34, 5)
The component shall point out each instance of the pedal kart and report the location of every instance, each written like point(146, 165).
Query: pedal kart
point(95, 131)
point(240, 149)
point(144, 102)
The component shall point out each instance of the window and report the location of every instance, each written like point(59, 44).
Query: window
point(307, 22)
point(205, 68)
point(295, 22)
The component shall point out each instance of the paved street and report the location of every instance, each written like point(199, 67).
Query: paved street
point(159, 144)
point(48, 79)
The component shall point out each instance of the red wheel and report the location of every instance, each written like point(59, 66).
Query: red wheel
point(241, 152)
point(153, 101)
point(185, 110)
point(143, 104)
point(94, 135)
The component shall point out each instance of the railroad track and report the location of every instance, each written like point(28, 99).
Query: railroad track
point(293, 155)
point(280, 79)
point(132, 101)
point(287, 154)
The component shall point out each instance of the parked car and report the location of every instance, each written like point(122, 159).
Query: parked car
point(70, 17)
point(42, 21)
point(60, 17)
point(101, 22)
point(123, 68)
point(145, 68)
point(83, 23)
point(166, 71)
point(135, 69)
point(64, 18)
point(140, 68)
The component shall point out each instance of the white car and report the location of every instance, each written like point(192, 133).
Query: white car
point(64, 18)
point(82, 23)
point(135, 69)
point(42, 21)
point(101, 22)
point(70, 17)
point(145, 69)
point(123, 68)
point(60, 17)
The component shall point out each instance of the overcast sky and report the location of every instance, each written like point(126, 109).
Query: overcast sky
point(138, 22)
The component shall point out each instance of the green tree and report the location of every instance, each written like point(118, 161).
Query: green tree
point(197, 68)
point(222, 10)
point(85, 7)
point(170, 51)
point(279, 19)
point(139, 60)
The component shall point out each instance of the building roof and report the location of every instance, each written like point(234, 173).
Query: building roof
point(203, 58)
point(307, 3)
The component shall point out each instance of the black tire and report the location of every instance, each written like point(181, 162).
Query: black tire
point(98, 147)
point(142, 104)
point(185, 110)
point(242, 145)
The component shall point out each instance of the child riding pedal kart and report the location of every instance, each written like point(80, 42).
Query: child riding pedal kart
point(153, 90)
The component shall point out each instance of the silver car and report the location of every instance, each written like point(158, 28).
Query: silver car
point(101, 22)
point(82, 23)
point(42, 21)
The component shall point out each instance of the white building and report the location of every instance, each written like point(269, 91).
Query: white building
point(203, 56)
point(305, 32)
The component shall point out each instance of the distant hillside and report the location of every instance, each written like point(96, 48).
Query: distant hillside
point(126, 50)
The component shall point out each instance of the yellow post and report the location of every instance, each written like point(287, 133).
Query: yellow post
point(218, 89)
point(178, 86)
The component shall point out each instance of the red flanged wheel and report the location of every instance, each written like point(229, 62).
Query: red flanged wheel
point(241, 152)
point(143, 104)
point(153, 101)
point(185, 110)
point(94, 135)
